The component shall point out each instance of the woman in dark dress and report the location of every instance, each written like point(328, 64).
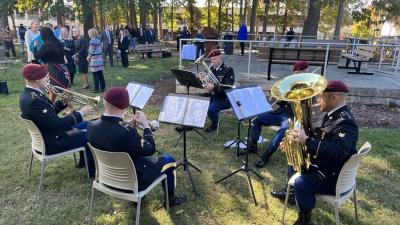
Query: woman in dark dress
point(82, 48)
point(69, 51)
point(52, 53)
point(123, 47)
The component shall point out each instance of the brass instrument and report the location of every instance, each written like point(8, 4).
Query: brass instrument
point(207, 76)
point(68, 95)
point(298, 89)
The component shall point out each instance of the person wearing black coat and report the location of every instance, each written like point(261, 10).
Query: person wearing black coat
point(69, 52)
point(123, 47)
point(150, 38)
point(59, 133)
point(111, 133)
point(82, 51)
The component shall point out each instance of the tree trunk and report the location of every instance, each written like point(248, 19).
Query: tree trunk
point(143, 13)
point(191, 15)
point(13, 21)
point(265, 22)
point(60, 13)
point(241, 13)
point(209, 13)
point(227, 15)
point(233, 18)
point(172, 18)
point(87, 17)
point(277, 17)
point(339, 20)
point(101, 11)
point(253, 18)
point(310, 27)
point(132, 14)
point(95, 17)
point(284, 23)
point(245, 11)
point(155, 20)
point(219, 15)
point(160, 24)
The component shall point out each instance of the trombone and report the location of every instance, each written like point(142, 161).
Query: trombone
point(68, 95)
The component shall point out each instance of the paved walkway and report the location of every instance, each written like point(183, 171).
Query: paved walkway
point(380, 88)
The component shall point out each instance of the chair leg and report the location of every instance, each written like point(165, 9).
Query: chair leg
point(337, 212)
point(355, 203)
point(76, 164)
point(138, 211)
point(166, 194)
point(286, 201)
point(30, 165)
point(91, 206)
point(86, 163)
point(42, 170)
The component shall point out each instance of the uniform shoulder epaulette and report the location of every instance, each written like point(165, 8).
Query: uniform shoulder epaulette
point(345, 115)
point(125, 125)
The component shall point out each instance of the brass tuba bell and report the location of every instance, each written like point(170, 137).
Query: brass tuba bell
point(298, 89)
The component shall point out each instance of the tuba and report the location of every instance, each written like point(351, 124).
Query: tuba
point(68, 95)
point(298, 89)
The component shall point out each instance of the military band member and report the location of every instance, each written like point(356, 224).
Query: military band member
point(58, 133)
point(332, 143)
point(219, 101)
point(278, 117)
point(111, 133)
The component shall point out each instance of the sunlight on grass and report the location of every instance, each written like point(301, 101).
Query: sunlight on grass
point(66, 194)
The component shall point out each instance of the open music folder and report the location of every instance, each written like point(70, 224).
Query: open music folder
point(185, 110)
point(139, 94)
point(248, 101)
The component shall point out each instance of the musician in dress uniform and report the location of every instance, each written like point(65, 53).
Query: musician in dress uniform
point(219, 101)
point(111, 133)
point(332, 143)
point(278, 117)
point(58, 133)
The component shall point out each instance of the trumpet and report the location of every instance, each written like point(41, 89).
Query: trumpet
point(153, 124)
point(68, 95)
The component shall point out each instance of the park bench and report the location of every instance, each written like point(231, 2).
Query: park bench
point(145, 48)
point(313, 56)
point(362, 54)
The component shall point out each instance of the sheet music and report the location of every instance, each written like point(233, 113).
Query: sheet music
point(173, 109)
point(196, 112)
point(247, 102)
point(139, 94)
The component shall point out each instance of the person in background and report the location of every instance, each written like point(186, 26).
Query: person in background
point(69, 51)
point(185, 35)
point(242, 35)
point(21, 37)
point(30, 35)
point(150, 38)
point(81, 54)
point(178, 37)
point(107, 40)
point(199, 44)
point(7, 36)
point(95, 60)
point(290, 34)
point(123, 47)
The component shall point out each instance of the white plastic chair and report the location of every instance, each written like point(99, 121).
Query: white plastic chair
point(345, 186)
point(230, 110)
point(115, 170)
point(38, 150)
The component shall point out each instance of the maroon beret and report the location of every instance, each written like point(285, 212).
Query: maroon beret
point(34, 71)
point(336, 86)
point(118, 97)
point(300, 65)
point(214, 52)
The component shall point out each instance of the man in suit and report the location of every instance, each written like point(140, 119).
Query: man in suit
point(331, 143)
point(219, 101)
point(111, 133)
point(141, 34)
point(59, 134)
point(185, 35)
point(278, 117)
point(150, 38)
point(107, 39)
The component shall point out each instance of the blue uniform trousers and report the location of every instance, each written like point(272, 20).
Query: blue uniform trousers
point(270, 119)
point(168, 168)
point(216, 105)
point(307, 186)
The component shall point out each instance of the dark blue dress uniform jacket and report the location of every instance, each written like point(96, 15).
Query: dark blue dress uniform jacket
point(36, 107)
point(226, 76)
point(332, 143)
point(112, 134)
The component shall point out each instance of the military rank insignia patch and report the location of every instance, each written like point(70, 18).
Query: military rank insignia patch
point(341, 135)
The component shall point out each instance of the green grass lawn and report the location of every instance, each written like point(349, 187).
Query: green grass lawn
point(66, 194)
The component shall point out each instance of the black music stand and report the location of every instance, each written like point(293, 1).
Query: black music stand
point(188, 79)
point(247, 102)
point(191, 114)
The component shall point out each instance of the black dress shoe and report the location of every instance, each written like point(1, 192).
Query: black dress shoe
point(177, 200)
point(281, 194)
point(210, 128)
point(261, 163)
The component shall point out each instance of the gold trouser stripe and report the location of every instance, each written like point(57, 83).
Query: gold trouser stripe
point(167, 166)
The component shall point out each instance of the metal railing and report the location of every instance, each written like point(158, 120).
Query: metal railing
point(328, 47)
